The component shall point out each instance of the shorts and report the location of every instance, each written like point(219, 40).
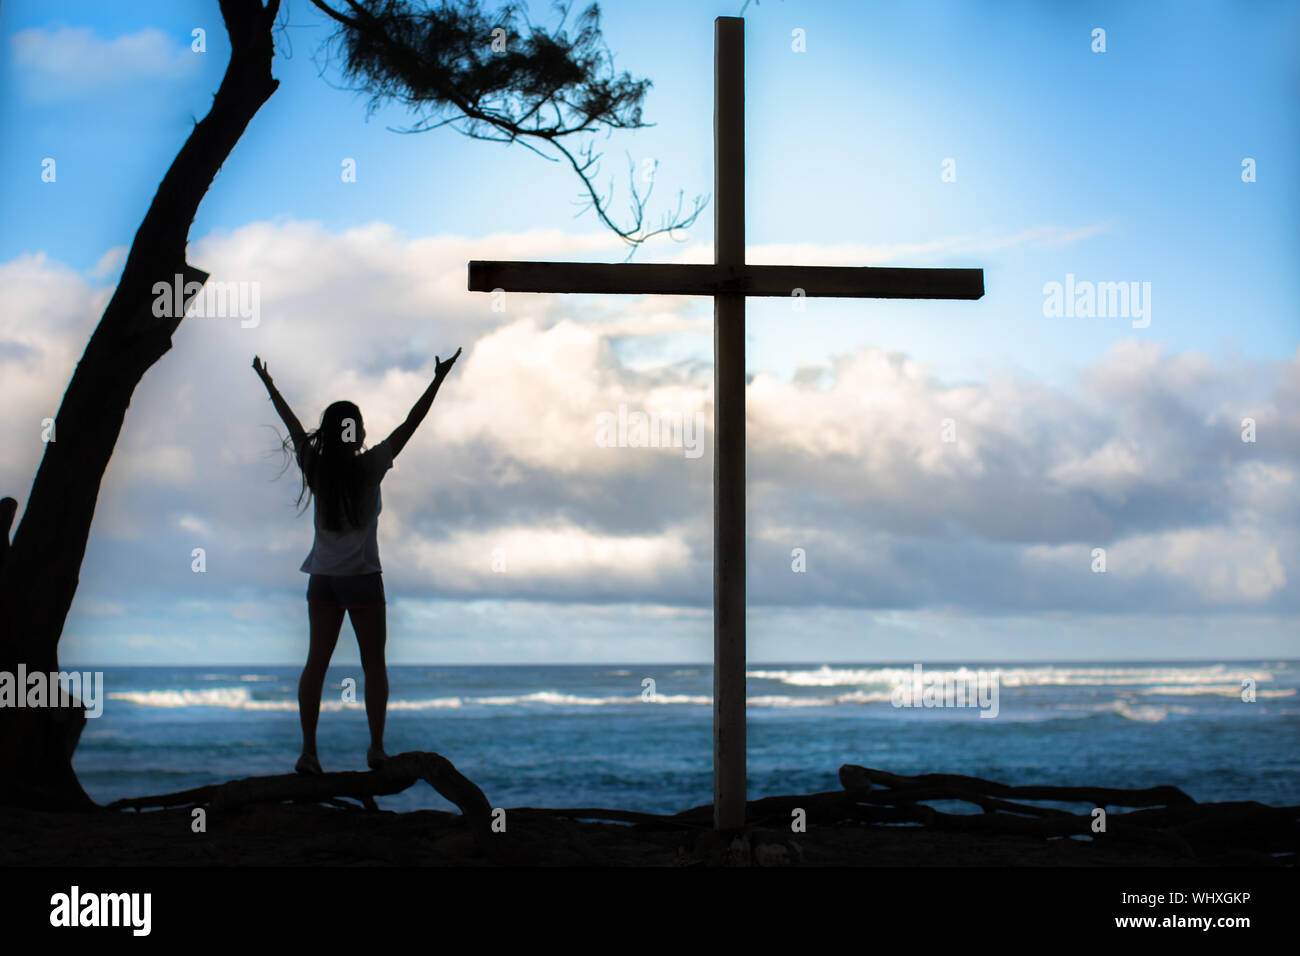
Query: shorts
point(346, 590)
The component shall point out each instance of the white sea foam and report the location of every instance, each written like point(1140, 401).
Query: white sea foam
point(1034, 676)
point(239, 677)
point(549, 697)
point(235, 697)
point(779, 701)
point(1214, 690)
point(1145, 715)
point(844, 687)
point(705, 700)
point(239, 698)
point(573, 700)
point(436, 703)
point(833, 677)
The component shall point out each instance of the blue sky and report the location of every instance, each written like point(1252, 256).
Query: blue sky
point(1116, 166)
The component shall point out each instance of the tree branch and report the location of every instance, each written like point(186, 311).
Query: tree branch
point(431, 58)
point(395, 775)
point(8, 507)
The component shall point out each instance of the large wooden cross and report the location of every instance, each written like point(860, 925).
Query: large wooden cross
point(729, 280)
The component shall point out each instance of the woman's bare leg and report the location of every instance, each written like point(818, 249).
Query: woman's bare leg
point(371, 627)
point(324, 620)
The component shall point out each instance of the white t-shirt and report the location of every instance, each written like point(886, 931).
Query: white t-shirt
point(356, 550)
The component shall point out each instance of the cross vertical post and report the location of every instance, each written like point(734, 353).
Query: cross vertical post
point(729, 428)
point(728, 279)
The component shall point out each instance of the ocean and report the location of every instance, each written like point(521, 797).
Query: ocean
point(600, 736)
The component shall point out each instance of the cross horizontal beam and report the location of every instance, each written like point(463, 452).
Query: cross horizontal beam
point(866, 282)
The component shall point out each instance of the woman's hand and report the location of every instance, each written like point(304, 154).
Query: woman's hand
point(402, 433)
point(281, 406)
point(441, 368)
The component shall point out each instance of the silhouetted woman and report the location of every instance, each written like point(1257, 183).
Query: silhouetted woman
point(344, 558)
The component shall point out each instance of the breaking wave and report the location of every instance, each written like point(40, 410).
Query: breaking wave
point(1217, 679)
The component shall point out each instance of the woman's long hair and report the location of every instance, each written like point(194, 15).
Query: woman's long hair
point(328, 462)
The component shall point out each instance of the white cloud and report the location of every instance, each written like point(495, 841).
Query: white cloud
point(1230, 565)
point(558, 556)
point(110, 264)
point(154, 464)
point(857, 254)
point(1261, 489)
point(75, 62)
point(852, 254)
point(101, 608)
point(1142, 456)
point(1108, 470)
point(192, 523)
point(1240, 565)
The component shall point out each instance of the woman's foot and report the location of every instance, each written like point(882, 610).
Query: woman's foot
point(375, 757)
point(308, 764)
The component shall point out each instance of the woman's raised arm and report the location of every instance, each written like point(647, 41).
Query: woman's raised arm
point(403, 432)
point(282, 408)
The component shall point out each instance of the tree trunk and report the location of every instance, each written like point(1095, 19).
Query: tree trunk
point(40, 569)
